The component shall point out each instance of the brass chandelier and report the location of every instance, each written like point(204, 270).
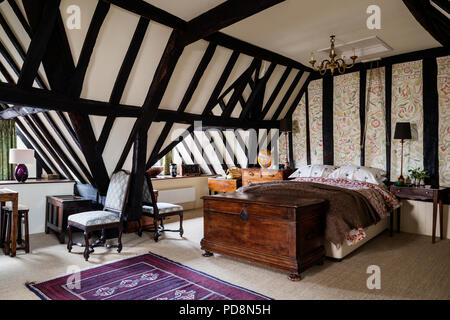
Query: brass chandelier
point(333, 63)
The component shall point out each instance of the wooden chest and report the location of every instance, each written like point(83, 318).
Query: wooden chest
point(219, 185)
point(256, 175)
point(281, 232)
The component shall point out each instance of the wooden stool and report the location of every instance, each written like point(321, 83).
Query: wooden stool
point(6, 227)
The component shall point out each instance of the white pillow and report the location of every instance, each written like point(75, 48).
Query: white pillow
point(359, 173)
point(313, 171)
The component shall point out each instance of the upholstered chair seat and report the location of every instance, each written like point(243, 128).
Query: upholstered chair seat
point(163, 207)
point(94, 218)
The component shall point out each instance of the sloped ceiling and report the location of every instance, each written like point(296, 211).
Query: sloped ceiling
point(294, 28)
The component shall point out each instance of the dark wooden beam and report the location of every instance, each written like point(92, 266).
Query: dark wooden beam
point(20, 16)
point(37, 147)
point(287, 95)
point(213, 121)
point(151, 12)
point(237, 93)
point(216, 151)
point(161, 78)
point(222, 16)
point(38, 45)
point(48, 147)
point(275, 92)
point(212, 102)
point(431, 120)
point(257, 92)
point(134, 210)
point(204, 154)
point(172, 145)
point(35, 100)
point(69, 148)
point(388, 99)
point(157, 148)
point(327, 115)
point(303, 90)
point(206, 59)
point(122, 78)
point(362, 112)
point(28, 144)
point(431, 19)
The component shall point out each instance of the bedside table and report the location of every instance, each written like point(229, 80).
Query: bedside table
point(422, 194)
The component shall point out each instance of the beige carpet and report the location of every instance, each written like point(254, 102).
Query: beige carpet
point(411, 267)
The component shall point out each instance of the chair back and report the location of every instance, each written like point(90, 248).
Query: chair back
point(117, 194)
point(148, 196)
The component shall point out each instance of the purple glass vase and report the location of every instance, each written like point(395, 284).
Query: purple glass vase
point(21, 173)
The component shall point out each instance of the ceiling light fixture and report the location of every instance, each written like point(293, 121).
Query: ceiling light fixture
point(333, 63)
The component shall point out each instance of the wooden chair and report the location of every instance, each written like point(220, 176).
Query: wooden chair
point(110, 217)
point(158, 210)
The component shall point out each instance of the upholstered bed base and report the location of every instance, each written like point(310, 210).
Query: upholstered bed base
point(338, 253)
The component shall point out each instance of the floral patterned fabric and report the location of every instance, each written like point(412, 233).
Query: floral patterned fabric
point(299, 134)
point(315, 120)
point(443, 83)
point(375, 137)
point(407, 106)
point(346, 122)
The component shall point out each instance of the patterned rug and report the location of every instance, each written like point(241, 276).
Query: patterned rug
point(145, 277)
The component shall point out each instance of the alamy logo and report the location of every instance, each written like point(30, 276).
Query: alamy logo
point(374, 280)
point(74, 19)
point(74, 280)
point(374, 20)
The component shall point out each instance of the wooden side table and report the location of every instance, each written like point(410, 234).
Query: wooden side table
point(59, 208)
point(222, 185)
point(422, 194)
point(13, 196)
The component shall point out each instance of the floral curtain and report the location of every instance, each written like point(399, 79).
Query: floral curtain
point(444, 120)
point(346, 121)
point(407, 106)
point(7, 141)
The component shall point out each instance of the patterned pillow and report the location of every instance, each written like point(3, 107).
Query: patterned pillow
point(359, 173)
point(313, 171)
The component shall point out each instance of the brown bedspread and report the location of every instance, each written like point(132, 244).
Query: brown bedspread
point(347, 209)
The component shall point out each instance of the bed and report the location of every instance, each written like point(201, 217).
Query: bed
point(358, 209)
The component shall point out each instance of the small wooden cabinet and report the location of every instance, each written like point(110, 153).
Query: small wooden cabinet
point(256, 175)
point(422, 194)
point(59, 208)
point(278, 231)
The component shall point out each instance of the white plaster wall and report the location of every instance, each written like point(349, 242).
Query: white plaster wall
point(33, 195)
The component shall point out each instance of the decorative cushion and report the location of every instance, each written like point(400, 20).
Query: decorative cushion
point(94, 218)
point(116, 194)
point(359, 173)
point(163, 208)
point(313, 171)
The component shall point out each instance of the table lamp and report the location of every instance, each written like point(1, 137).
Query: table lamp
point(20, 157)
point(402, 132)
point(286, 127)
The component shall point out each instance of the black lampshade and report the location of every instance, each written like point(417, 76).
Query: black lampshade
point(285, 125)
point(402, 130)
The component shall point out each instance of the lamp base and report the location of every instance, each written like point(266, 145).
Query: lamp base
point(400, 181)
point(21, 173)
